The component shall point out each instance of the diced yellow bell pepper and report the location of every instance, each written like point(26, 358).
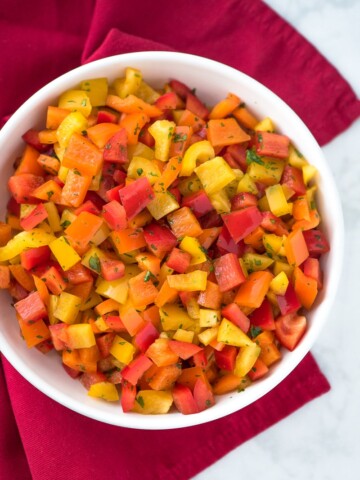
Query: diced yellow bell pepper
point(296, 159)
point(75, 101)
point(53, 216)
point(162, 204)
point(96, 89)
point(272, 298)
point(67, 308)
point(199, 151)
point(189, 185)
point(263, 204)
point(283, 267)
point(246, 359)
point(64, 253)
point(277, 200)
point(74, 122)
point(91, 259)
point(67, 218)
point(189, 282)
point(51, 307)
point(209, 335)
point(101, 324)
point(80, 335)
point(152, 402)
point(140, 150)
point(95, 182)
point(162, 132)
point(232, 335)
point(193, 308)
point(220, 201)
point(288, 192)
point(147, 93)
point(143, 167)
point(22, 241)
point(165, 271)
point(272, 243)
point(266, 125)
point(45, 226)
point(63, 173)
point(191, 245)
point(309, 171)
point(115, 289)
point(215, 174)
point(255, 262)
point(209, 318)
point(105, 390)
point(60, 150)
point(182, 335)
point(130, 84)
point(231, 189)
point(173, 317)
point(101, 235)
point(279, 283)
point(268, 173)
point(122, 350)
point(246, 184)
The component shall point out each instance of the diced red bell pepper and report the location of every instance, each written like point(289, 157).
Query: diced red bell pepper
point(211, 219)
point(238, 153)
point(175, 192)
point(104, 343)
point(78, 274)
point(203, 395)
point(59, 335)
point(228, 272)
point(107, 183)
point(115, 215)
point(185, 350)
point(45, 346)
point(71, 372)
point(36, 216)
point(54, 280)
point(289, 329)
point(263, 316)
point(13, 207)
point(229, 160)
point(31, 308)
point(128, 395)
point(87, 206)
point(293, 178)
point(119, 176)
point(311, 268)
point(113, 193)
point(115, 149)
point(31, 137)
point(22, 186)
point(233, 312)
point(109, 168)
point(34, 256)
point(200, 359)
point(184, 400)
point(111, 269)
point(242, 222)
point(136, 369)
point(146, 336)
point(288, 303)
point(178, 260)
point(115, 323)
point(273, 224)
point(226, 244)
point(17, 291)
point(95, 199)
point(180, 88)
point(88, 379)
point(196, 106)
point(316, 242)
point(146, 137)
point(168, 101)
point(243, 200)
point(272, 144)
point(105, 116)
point(225, 358)
point(136, 196)
point(159, 239)
point(199, 203)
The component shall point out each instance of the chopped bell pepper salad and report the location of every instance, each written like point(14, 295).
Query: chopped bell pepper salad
point(165, 250)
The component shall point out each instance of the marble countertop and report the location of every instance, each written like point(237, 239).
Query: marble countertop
point(322, 440)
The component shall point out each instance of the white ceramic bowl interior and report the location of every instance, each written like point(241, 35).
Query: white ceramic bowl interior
point(212, 81)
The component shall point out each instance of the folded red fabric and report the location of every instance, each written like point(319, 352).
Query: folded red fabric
point(40, 439)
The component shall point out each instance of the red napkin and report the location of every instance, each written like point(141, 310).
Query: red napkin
point(40, 439)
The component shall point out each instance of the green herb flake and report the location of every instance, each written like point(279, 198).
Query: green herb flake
point(94, 263)
point(255, 331)
point(251, 157)
point(139, 399)
point(147, 276)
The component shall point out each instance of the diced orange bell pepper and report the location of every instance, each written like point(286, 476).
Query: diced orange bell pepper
point(48, 191)
point(127, 240)
point(223, 108)
point(252, 292)
point(184, 223)
point(34, 333)
point(211, 297)
point(133, 123)
point(227, 131)
point(161, 354)
point(83, 228)
point(49, 164)
point(22, 277)
point(132, 104)
point(142, 291)
point(101, 133)
point(28, 162)
point(75, 189)
point(82, 155)
point(306, 288)
point(295, 248)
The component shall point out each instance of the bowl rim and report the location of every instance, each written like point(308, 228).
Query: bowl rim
point(173, 421)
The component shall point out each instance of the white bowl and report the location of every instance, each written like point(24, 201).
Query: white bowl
point(213, 81)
